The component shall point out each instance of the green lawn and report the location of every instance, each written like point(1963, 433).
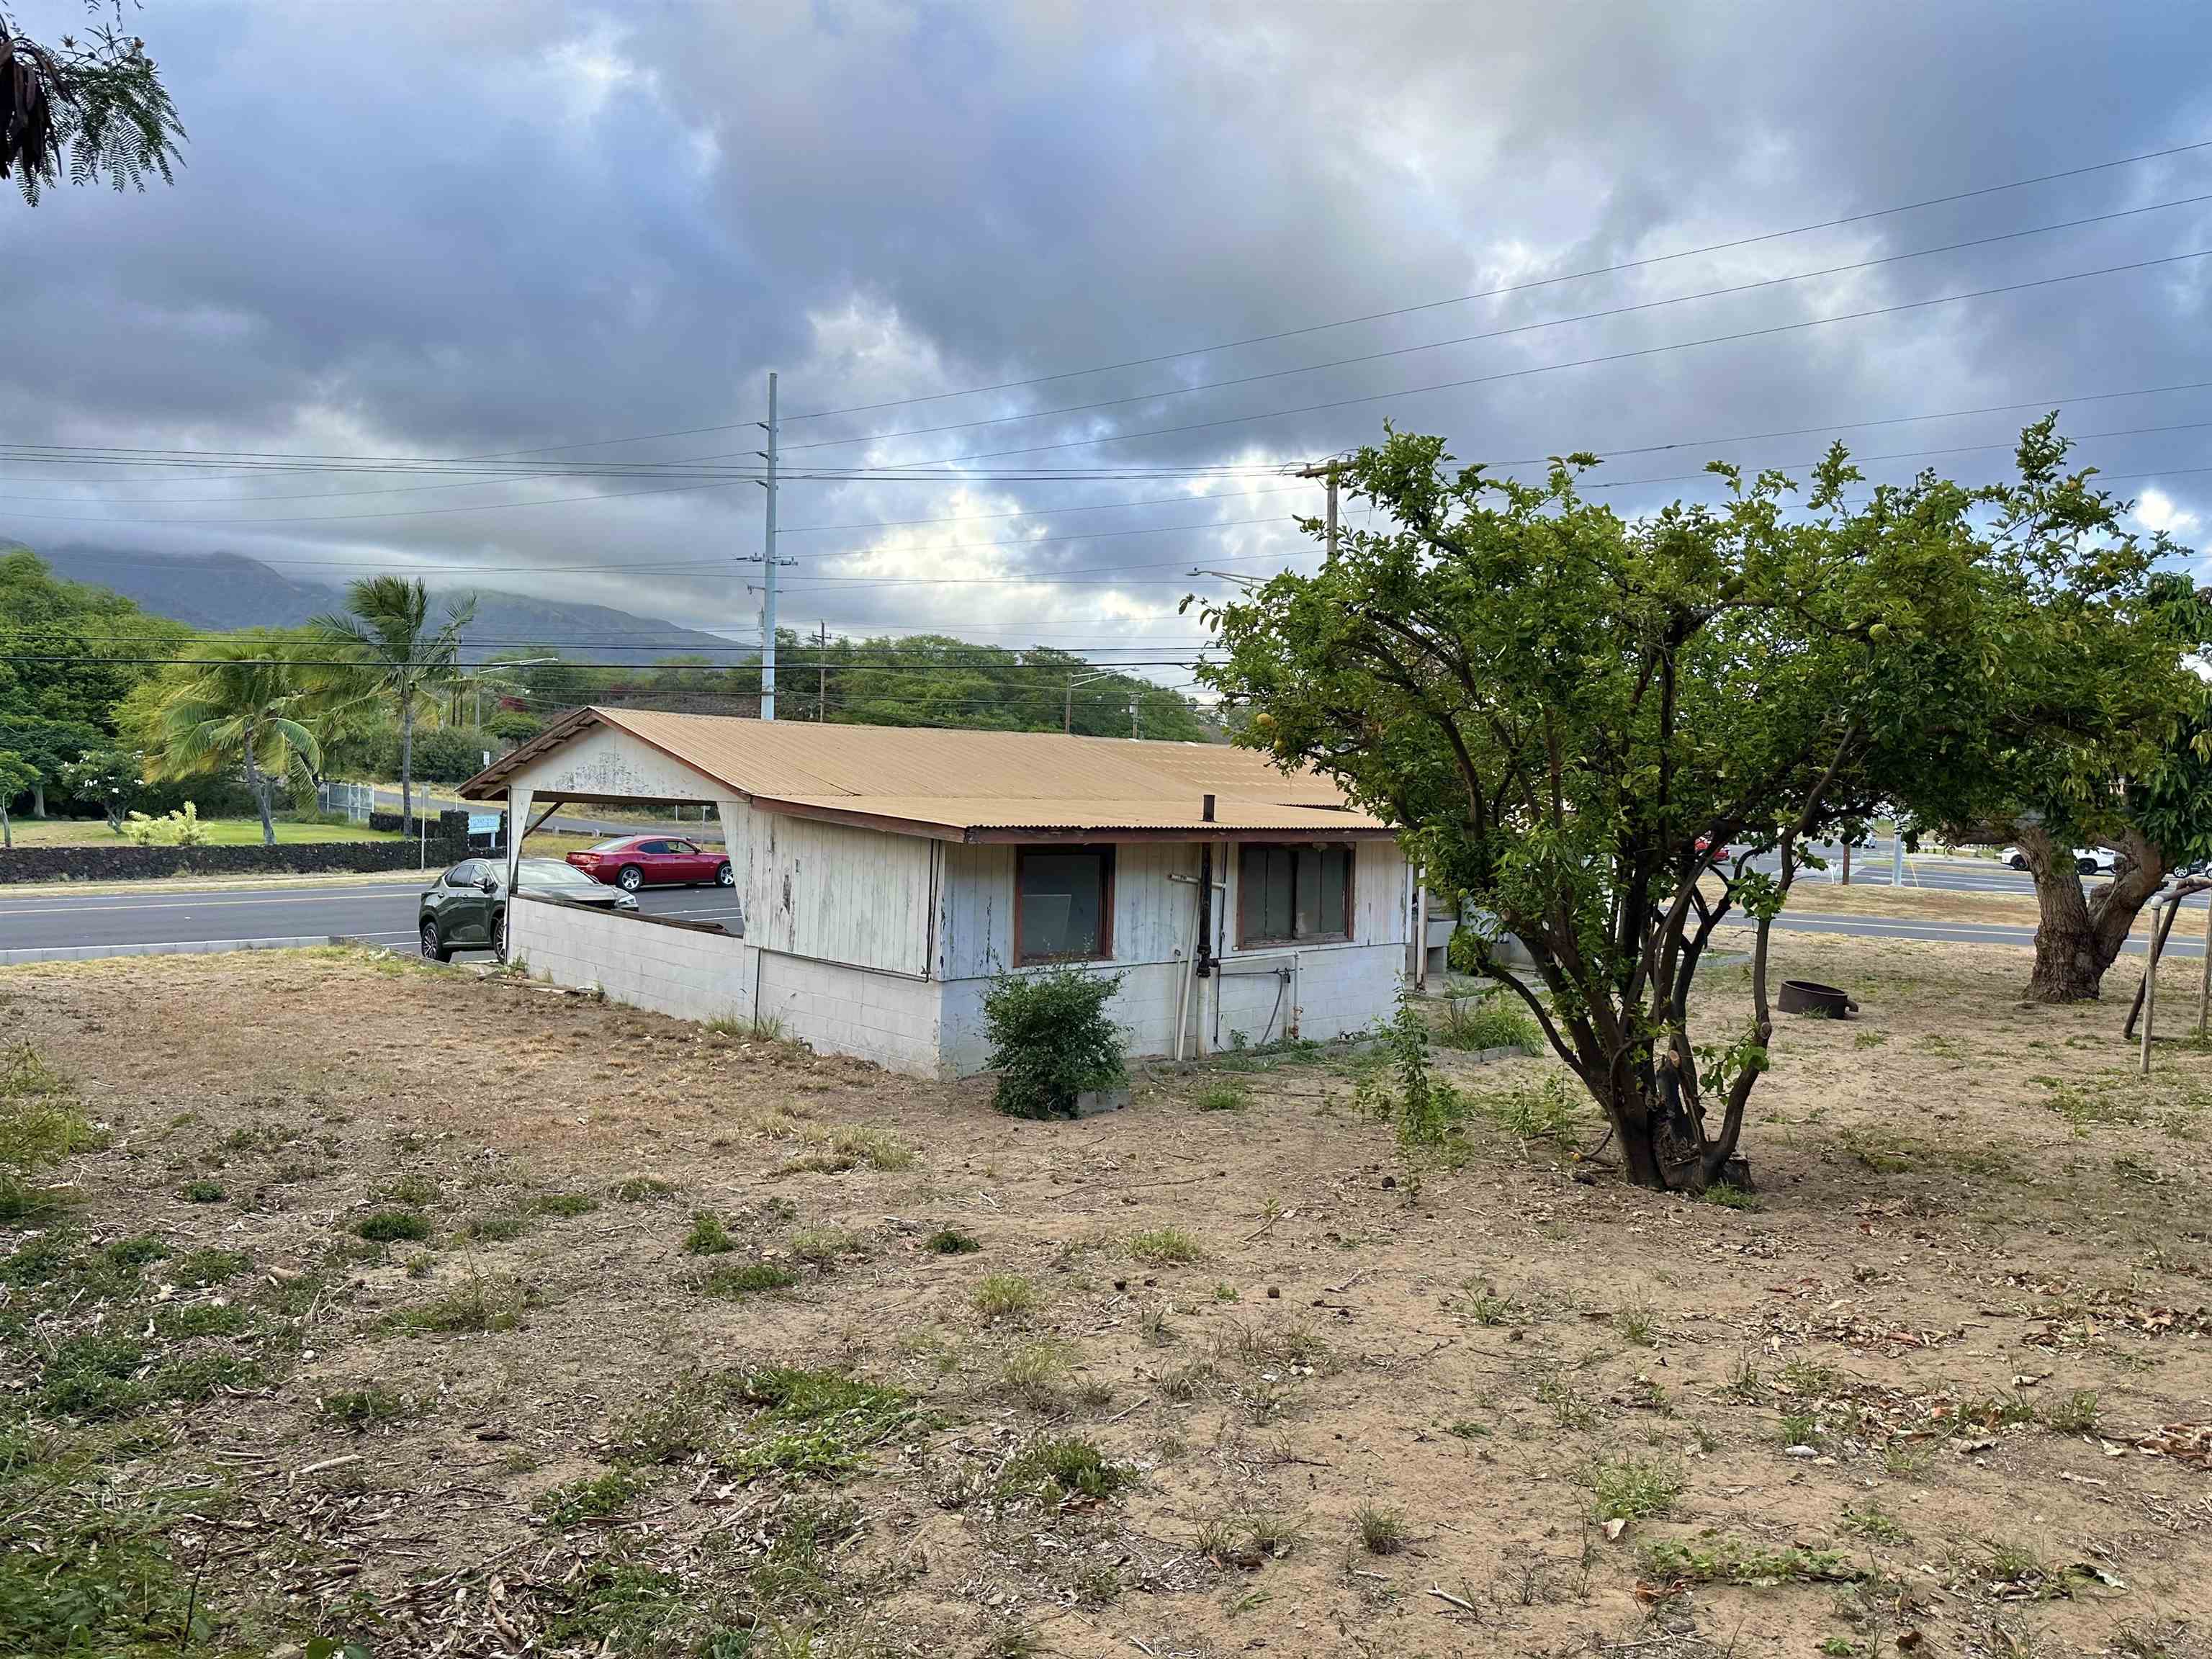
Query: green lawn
point(218, 832)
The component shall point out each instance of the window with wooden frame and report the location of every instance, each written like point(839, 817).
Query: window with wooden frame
point(1293, 893)
point(1063, 904)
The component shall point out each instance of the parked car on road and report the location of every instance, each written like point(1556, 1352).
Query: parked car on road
point(2089, 860)
point(466, 911)
point(636, 861)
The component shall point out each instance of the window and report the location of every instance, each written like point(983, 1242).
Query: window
point(1292, 894)
point(1063, 904)
point(466, 873)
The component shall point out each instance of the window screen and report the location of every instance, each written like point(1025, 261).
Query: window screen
point(1061, 904)
point(1285, 893)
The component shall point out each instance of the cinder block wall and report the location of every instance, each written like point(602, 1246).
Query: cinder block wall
point(681, 971)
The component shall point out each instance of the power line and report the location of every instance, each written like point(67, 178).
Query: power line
point(1509, 287)
point(1518, 328)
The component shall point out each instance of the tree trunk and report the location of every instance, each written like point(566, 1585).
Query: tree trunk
point(1661, 1144)
point(260, 792)
point(7, 829)
point(2077, 939)
point(38, 798)
point(406, 766)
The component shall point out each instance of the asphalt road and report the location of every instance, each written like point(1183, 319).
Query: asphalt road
point(1962, 932)
point(382, 913)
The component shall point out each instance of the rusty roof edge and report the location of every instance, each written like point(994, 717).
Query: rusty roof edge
point(490, 783)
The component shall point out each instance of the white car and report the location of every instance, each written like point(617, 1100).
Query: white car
point(2089, 860)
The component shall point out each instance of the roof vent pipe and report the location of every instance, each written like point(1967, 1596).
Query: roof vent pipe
point(1205, 809)
point(1203, 967)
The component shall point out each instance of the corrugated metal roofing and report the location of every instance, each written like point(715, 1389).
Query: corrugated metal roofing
point(942, 781)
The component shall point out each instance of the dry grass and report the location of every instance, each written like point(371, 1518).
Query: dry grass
point(1978, 1262)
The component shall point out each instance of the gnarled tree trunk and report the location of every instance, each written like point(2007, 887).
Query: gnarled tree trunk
point(2079, 937)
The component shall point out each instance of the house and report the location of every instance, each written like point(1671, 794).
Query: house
point(884, 875)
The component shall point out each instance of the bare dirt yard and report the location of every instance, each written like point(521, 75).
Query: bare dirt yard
point(444, 1314)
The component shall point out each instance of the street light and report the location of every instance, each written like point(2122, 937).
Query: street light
point(1067, 714)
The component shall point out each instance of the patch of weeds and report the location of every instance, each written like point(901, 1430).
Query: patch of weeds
point(1382, 1531)
point(951, 1241)
point(1875, 1524)
point(1003, 1295)
point(1869, 1039)
point(364, 1408)
point(482, 1304)
point(1728, 1196)
point(621, 1606)
point(201, 1319)
point(683, 1419)
point(1530, 1111)
point(1273, 1534)
point(202, 1191)
point(1629, 1489)
point(1724, 1558)
point(93, 1377)
point(1486, 1307)
point(1034, 1374)
point(594, 1498)
point(708, 1236)
point(1223, 1095)
point(1808, 1376)
point(833, 1151)
point(1569, 1409)
point(1882, 1156)
point(409, 1191)
point(733, 1281)
point(2078, 1415)
point(1163, 1247)
point(818, 1424)
point(644, 1190)
point(1637, 1322)
point(1466, 1428)
point(394, 1226)
point(103, 1580)
point(822, 1245)
point(1187, 1382)
point(1056, 1470)
point(497, 1226)
point(1801, 1428)
point(40, 1125)
point(564, 1204)
point(1488, 1021)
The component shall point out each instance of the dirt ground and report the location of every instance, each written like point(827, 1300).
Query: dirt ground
point(1221, 1375)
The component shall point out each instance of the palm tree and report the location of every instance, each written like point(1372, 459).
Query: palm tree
point(391, 653)
point(240, 709)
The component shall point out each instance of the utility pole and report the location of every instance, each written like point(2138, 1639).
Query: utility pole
point(1067, 709)
point(822, 673)
point(768, 562)
point(1133, 714)
point(1329, 471)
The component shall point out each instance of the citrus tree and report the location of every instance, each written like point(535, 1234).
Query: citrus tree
point(1614, 736)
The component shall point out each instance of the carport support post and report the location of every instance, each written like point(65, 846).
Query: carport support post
point(726, 814)
point(518, 822)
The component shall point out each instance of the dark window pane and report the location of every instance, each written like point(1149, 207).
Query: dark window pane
point(1267, 888)
point(1336, 872)
point(1063, 905)
point(1306, 917)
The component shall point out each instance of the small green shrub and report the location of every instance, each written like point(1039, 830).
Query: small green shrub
point(708, 1236)
point(497, 1226)
point(362, 1409)
point(394, 1226)
point(1629, 1489)
point(202, 1191)
point(1051, 1039)
point(951, 1241)
point(1382, 1531)
point(822, 1245)
point(644, 1190)
point(482, 1304)
point(197, 1269)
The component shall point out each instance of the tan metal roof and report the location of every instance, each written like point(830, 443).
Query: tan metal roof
point(973, 785)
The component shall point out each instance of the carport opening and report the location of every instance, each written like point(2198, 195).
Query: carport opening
point(669, 854)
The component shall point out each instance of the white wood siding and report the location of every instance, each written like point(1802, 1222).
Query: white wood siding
point(836, 893)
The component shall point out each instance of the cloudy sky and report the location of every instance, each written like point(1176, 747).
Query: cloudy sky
point(552, 232)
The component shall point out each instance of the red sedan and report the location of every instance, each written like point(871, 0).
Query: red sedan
point(636, 861)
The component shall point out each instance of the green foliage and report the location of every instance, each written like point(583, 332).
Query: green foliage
point(244, 706)
point(363, 1408)
point(396, 658)
point(1057, 1470)
point(1630, 1489)
point(1003, 1294)
point(178, 828)
point(596, 1498)
point(1163, 1247)
point(733, 1281)
point(951, 1241)
point(202, 1191)
point(815, 1424)
point(394, 1226)
point(1488, 1021)
point(1223, 1094)
point(1051, 1040)
point(40, 1125)
point(644, 1190)
point(708, 1236)
point(1423, 1108)
point(564, 1204)
point(1716, 1559)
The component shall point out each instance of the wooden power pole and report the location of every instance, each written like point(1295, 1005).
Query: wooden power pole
point(1328, 470)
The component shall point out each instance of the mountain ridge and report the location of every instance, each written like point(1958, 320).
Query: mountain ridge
point(219, 592)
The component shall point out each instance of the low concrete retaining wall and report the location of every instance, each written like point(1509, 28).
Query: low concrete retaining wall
point(448, 843)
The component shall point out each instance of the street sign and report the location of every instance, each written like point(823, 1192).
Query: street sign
point(483, 824)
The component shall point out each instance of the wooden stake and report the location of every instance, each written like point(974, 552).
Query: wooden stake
point(2204, 996)
point(2150, 991)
